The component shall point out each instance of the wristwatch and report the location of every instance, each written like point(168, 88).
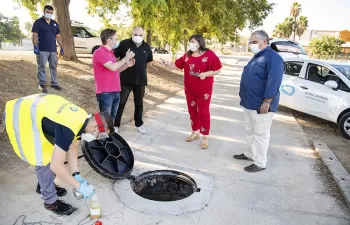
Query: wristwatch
point(76, 173)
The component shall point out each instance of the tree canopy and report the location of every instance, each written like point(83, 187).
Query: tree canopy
point(326, 48)
point(10, 30)
point(174, 21)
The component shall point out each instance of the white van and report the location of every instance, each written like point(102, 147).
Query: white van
point(85, 40)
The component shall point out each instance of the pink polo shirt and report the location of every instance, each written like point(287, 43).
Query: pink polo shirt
point(105, 80)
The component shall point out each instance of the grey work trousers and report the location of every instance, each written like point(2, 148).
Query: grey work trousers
point(47, 186)
point(42, 59)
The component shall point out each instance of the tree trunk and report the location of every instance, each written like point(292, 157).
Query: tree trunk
point(63, 19)
point(295, 28)
point(185, 44)
point(0, 44)
point(149, 37)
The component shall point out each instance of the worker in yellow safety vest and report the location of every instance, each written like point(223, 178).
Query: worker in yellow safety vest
point(44, 130)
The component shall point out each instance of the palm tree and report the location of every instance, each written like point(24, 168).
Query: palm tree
point(287, 27)
point(294, 12)
point(278, 31)
point(302, 25)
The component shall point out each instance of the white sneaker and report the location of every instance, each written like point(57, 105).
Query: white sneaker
point(116, 129)
point(142, 129)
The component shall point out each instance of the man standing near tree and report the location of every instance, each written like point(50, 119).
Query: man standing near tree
point(134, 78)
point(45, 33)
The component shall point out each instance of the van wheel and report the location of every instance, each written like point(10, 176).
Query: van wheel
point(345, 125)
point(94, 49)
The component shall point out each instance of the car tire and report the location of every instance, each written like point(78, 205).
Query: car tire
point(94, 49)
point(344, 125)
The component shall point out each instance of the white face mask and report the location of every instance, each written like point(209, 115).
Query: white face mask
point(254, 48)
point(48, 16)
point(88, 137)
point(137, 39)
point(193, 47)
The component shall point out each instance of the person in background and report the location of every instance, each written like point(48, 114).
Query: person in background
point(259, 92)
point(45, 33)
point(134, 79)
point(50, 130)
point(106, 72)
point(200, 65)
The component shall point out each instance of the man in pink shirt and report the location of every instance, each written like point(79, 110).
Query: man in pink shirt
point(106, 72)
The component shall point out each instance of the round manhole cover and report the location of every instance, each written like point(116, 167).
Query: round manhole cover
point(111, 157)
point(164, 185)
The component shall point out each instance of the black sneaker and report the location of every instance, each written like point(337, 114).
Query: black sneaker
point(43, 88)
point(60, 191)
point(60, 207)
point(56, 87)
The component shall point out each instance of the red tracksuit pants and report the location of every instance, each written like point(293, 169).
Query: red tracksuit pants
point(198, 104)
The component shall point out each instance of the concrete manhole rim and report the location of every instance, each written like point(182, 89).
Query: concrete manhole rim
point(195, 202)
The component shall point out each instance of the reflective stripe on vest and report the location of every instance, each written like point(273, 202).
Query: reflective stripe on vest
point(16, 127)
point(36, 131)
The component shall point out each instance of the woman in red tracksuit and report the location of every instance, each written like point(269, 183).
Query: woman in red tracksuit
point(200, 65)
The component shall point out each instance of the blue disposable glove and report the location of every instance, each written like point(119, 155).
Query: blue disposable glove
point(86, 190)
point(36, 50)
point(62, 51)
point(80, 179)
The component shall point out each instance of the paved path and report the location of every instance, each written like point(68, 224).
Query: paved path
point(290, 192)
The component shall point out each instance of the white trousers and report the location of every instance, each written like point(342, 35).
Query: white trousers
point(257, 128)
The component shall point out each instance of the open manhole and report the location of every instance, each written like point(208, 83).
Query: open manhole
point(113, 158)
point(164, 185)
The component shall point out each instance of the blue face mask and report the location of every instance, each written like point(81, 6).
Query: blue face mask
point(48, 16)
point(116, 45)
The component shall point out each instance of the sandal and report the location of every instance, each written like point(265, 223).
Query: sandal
point(204, 145)
point(193, 136)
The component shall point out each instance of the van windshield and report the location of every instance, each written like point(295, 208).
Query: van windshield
point(344, 69)
point(92, 32)
point(288, 46)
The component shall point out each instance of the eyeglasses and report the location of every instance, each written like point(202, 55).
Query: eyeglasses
point(194, 74)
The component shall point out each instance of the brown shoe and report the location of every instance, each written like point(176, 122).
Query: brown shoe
point(193, 136)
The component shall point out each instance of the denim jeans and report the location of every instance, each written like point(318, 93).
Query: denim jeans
point(109, 102)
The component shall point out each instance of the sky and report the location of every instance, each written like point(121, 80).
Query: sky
point(323, 15)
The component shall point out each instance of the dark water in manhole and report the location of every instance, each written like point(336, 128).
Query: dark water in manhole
point(166, 187)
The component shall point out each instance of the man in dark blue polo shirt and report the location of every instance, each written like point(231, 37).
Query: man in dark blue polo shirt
point(259, 92)
point(45, 33)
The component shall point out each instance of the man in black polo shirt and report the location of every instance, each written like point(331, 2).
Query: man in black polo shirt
point(45, 33)
point(134, 78)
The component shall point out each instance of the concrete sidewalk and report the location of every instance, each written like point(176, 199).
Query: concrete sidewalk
point(290, 191)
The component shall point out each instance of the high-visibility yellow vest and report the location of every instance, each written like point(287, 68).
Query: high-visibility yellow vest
point(24, 128)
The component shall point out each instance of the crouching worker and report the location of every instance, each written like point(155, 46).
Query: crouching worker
point(44, 130)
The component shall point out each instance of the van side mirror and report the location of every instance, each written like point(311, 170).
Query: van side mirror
point(331, 84)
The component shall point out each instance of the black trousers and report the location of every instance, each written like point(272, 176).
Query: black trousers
point(139, 93)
